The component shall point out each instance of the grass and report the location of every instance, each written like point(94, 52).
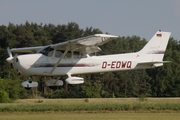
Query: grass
point(92, 109)
point(93, 105)
point(90, 116)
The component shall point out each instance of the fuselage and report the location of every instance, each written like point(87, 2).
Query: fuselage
point(39, 64)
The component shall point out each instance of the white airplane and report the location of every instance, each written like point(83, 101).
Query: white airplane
point(73, 57)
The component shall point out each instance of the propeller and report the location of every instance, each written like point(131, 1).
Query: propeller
point(10, 59)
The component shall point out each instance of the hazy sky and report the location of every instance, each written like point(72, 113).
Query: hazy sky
point(118, 17)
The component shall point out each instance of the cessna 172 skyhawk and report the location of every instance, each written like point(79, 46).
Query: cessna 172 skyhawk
point(73, 57)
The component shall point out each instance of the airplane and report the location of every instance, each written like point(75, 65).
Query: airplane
point(74, 57)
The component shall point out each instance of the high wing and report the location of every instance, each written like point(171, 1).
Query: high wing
point(86, 45)
point(27, 49)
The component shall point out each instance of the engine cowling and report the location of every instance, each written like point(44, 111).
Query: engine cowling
point(75, 80)
point(28, 84)
point(54, 82)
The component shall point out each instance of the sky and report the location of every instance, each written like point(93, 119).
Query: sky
point(117, 17)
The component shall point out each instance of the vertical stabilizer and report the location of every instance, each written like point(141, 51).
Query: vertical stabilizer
point(154, 50)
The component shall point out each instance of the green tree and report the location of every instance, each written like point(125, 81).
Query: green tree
point(91, 89)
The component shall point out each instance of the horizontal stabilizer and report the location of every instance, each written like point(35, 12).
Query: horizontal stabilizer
point(153, 63)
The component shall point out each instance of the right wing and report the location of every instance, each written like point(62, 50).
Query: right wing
point(27, 49)
point(85, 45)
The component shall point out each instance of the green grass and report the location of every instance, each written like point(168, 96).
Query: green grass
point(93, 105)
point(92, 109)
point(90, 116)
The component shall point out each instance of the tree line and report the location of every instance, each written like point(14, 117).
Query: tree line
point(157, 82)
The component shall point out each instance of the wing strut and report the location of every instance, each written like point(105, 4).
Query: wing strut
point(59, 60)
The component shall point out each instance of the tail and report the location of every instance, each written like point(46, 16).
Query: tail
point(153, 51)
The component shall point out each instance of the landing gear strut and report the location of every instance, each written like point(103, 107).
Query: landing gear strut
point(30, 80)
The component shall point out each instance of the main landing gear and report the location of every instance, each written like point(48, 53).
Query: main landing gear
point(53, 82)
point(28, 84)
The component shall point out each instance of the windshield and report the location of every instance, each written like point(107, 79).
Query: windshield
point(45, 50)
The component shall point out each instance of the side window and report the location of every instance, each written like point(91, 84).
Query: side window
point(58, 54)
point(76, 55)
point(79, 55)
point(82, 56)
point(68, 54)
